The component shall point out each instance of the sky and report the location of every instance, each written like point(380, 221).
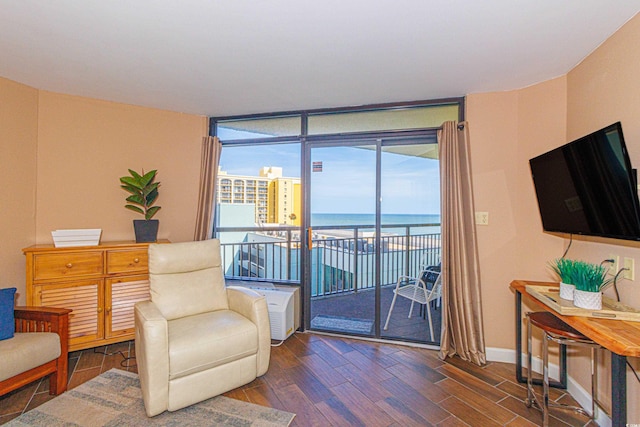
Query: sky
point(346, 184)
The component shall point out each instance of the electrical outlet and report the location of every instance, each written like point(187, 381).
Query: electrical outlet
point(629, 273)
point(482, 218)
point(613, 266)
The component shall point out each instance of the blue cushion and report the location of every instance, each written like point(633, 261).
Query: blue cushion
point(7, 324)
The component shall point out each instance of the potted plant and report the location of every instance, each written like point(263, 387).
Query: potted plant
point(564, 269)
point(589, 280)
point(143, 193)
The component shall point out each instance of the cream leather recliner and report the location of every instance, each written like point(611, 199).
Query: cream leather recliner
point(196, 338)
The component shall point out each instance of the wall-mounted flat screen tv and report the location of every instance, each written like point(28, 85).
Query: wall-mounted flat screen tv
point(588, 187)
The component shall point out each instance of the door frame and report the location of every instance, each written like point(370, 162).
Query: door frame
point(308, 144)
point(306, 220)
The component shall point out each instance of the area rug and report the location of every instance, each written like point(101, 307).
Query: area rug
point(342, 324)
point(115, 399)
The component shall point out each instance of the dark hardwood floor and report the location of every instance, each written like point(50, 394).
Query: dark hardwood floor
point(331, 381)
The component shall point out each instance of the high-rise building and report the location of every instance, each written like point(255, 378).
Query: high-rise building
point(283, 201)
point(277, 199)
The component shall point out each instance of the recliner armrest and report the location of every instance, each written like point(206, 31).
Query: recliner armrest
point(253, 306)
point(152, 352)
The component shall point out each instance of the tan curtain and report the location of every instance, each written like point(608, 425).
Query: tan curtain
point(210, 158)
point(462, 326)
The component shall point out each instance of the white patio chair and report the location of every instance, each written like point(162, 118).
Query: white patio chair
point(416, 290)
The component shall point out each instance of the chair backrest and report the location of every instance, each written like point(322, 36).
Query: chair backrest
point(187, 278)
point(436, 290)
point(430, 274)
point(432, 278)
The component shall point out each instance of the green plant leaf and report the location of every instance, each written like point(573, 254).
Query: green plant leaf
point(131, 182)
point(130, 189)
point(136, 198)
point(151, 212)
point(563, 267)
point(590, 277)
point(134, 208)
point(135, 174)
point(151, 197)
point(148, 178)
point(150, 188)
point(143, 190)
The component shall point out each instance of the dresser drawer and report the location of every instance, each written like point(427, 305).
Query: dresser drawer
point(127, 261)
point(66, 264)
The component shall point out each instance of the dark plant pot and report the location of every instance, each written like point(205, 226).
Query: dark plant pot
point(146, 230)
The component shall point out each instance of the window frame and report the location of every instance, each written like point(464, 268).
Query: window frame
point(304, 116)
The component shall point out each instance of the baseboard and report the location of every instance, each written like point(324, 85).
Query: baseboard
point(582, 396)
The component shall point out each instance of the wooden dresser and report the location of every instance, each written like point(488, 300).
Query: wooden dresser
point(99, 283)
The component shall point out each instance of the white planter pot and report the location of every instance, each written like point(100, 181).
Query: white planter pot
point(566, 291)
point(588, 300)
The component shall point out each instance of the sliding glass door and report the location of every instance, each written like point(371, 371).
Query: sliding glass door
point(342, 218)
point(410, 242)
point(372, 216)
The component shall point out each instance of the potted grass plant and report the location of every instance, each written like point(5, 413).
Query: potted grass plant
point(143, 190)
point(589, 280)
point(564, 268)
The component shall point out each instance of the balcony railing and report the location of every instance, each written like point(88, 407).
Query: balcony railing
point(342, 257)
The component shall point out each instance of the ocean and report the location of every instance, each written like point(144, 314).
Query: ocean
point(324, 219)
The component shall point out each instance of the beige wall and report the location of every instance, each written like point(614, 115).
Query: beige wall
point(62, 157)
point(85, 145)
point(506, 129)
point(604, 89)
point(18, 145)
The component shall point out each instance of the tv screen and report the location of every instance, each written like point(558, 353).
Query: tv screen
point(588, 187)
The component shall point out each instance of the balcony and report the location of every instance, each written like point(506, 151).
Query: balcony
point(361, 306)
point(343, 273)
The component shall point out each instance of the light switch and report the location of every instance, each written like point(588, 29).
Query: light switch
point(482, 218)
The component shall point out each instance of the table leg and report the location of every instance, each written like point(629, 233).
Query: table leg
point(562, 383)
point(521, 378)
point(618, 390)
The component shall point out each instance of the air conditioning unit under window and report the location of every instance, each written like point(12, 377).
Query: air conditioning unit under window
point(280, 303)
point(280, 306)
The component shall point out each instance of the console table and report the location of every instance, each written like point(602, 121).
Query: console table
point(620, 337)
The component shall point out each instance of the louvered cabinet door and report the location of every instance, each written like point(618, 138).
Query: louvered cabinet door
point(101, 284)
point(86, 299)
point(121, 296)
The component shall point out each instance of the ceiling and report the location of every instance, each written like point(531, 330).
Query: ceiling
point(227, 57)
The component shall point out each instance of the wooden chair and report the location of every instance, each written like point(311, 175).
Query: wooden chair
point(40, 319)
